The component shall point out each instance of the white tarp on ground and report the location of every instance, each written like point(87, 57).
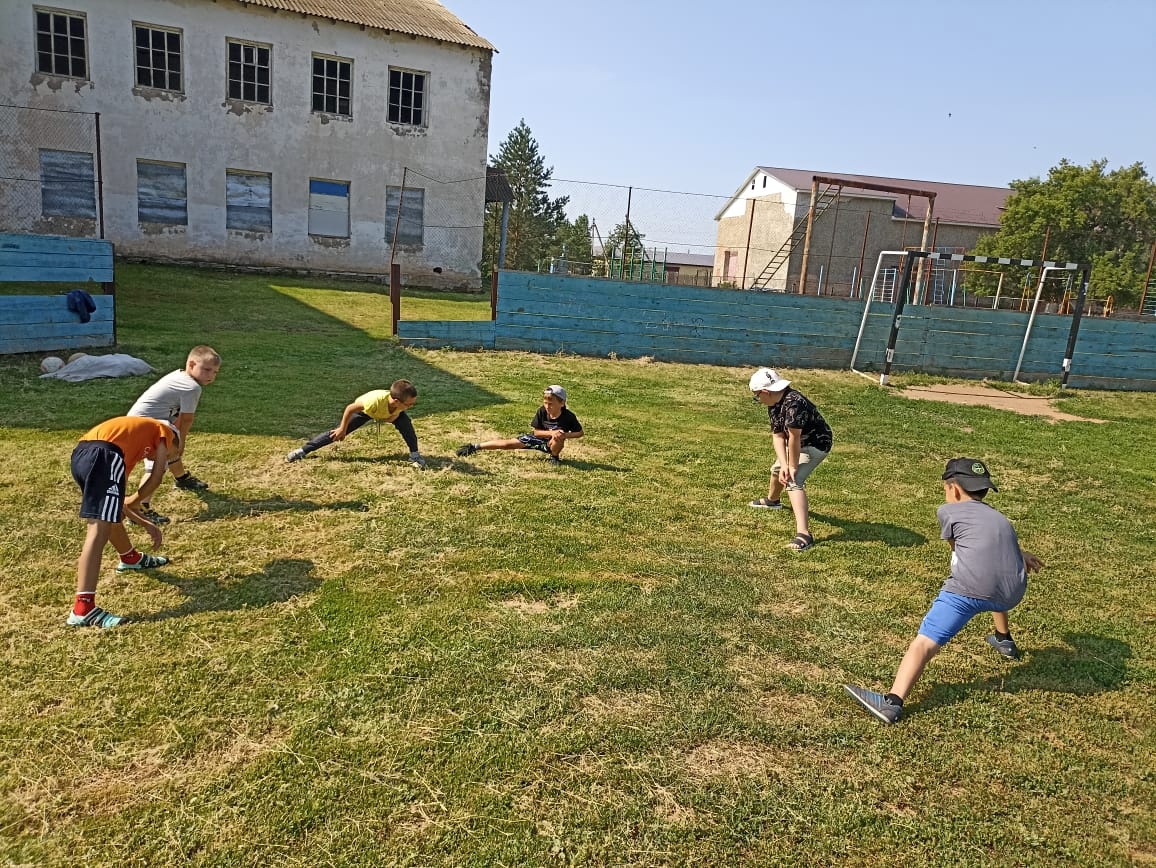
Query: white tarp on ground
point(90, 367)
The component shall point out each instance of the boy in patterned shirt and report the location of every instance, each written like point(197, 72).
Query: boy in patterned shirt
point(802, 440)
point(378, 405)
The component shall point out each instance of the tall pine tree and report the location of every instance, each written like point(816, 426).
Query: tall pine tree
point(535, 218)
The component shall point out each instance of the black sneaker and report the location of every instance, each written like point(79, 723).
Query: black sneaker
point(153, 516)
point(1006, 647)
point(554, 459)
point(467, 450)
point(188, 482)
point(878, 704)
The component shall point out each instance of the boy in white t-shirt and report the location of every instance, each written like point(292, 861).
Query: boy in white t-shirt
point(174, 398)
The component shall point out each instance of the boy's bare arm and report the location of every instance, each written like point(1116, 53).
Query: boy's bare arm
point(184, 424)
point(352, 410)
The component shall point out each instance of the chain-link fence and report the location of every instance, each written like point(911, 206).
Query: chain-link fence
point(50, 181)
point(434, 227)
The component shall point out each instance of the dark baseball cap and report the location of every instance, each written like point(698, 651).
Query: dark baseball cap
point(970, 474)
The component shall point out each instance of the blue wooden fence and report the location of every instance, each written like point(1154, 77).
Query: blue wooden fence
point(34, 323)
point(593, 317)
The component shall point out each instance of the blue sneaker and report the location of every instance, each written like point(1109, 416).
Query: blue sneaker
point(98, 617)
point(876, 703)
point(146, 562)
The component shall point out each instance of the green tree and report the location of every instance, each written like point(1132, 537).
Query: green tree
point(535, 218)
point(572, 242)
point(1090, 215)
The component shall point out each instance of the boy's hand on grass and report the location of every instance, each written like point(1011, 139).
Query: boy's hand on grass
point(1031, 563)
point(154, 533)
point(337, 434)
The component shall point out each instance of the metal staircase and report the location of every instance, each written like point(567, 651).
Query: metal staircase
point(827, 197)
point(1148, 308)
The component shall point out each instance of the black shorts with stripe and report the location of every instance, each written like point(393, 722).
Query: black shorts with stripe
point(98, 468)
point(531, 441)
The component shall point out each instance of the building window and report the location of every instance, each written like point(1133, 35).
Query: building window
point(249, 73)
point(248, 201)
point(67, 184)
point(332, 86)
point(161, 193)
point(158, 58)
point(406, 97)
point(329, 208)
point(412, 223)
point(61, 43)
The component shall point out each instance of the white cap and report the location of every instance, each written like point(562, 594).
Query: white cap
point(767, 380)
point(557, 391)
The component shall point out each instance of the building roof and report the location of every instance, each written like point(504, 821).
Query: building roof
point(954, 203)
point(426, 18)
point(694, 260)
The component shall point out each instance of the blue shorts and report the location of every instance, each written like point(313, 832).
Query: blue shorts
point(949, 613)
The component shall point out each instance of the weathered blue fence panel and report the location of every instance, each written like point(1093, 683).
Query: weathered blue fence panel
point(595, 317)
point(33, 323)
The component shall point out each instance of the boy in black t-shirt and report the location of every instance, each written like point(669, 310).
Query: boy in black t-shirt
point(551, 427)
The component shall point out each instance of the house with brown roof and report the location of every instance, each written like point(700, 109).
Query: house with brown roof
point(763, 242)
point(325, 135)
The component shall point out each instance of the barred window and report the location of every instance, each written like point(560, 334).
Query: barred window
point(249, 72)
point(158, 58)
point(61, 43)
point(406, 97)
point(332, 85)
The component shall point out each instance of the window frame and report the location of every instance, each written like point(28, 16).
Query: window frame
point(36, 32)
point(185, 174)
point(257, 46)
point(59, 185)
point(348, 208)
point(314, 94)
point(152, 29)
point(422, 110)
point(410, 240)
point(251, 173)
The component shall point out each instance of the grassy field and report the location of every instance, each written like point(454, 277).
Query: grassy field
point(616, 661)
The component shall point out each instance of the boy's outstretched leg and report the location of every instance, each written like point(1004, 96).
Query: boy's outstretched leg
point(889, 706)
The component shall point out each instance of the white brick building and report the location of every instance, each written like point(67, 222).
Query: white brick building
point(267, 133)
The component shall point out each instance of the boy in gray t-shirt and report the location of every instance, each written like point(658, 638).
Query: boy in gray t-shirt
point(989, 573)
point(174, 398)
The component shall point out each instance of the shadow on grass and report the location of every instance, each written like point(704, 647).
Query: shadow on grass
point(281, 580)
point(222, 506)
point(1089, 664)
point(869, 531)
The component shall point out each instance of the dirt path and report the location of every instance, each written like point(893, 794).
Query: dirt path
point(985, 396)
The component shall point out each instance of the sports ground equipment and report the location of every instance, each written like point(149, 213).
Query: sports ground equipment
point(51, 364)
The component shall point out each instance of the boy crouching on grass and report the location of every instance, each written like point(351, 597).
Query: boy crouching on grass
point(374, 406)
point(101, 464)
point(988, 574)
point(551, 427)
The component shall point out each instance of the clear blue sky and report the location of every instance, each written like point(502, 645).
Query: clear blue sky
point(692, 96)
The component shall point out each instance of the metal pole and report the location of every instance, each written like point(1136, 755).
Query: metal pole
point(395, 295)
point(493, 295)
point(863, 250)
point(747, 255)
point(923, 245)
point(900, 299)
point(867, 305)
point(502, 237)
point(99, 180)
point(998, 287)
point(1085, 277)
point(1031, 318)
point(819, 291)
point(807, 237)
point(834, 227)
point(396, 226)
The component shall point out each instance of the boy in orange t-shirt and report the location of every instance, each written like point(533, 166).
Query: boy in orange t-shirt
point(101, 463)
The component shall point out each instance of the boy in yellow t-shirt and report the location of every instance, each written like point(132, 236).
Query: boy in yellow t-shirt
point(378, 405)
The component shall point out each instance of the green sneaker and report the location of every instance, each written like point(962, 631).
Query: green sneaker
point(98, 617)
point(146, 562)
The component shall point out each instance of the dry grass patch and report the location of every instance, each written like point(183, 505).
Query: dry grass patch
point(622, 705)
point(523, 606)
